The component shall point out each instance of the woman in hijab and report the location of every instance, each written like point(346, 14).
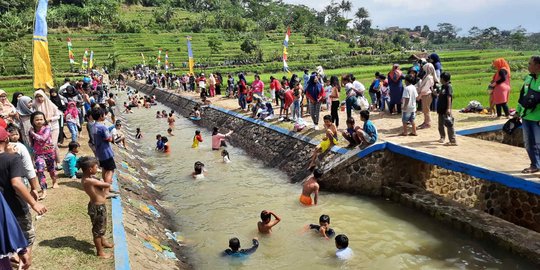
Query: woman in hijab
point(7, 110)
point(424, 93)
point(501, 86)
point(16, 97)
point(395, 83)
point(212, 82)
point(315, 94)
point(60, 102)
point(43, 104)
point(25, 109)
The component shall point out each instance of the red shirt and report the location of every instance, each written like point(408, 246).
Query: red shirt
point(275, 85)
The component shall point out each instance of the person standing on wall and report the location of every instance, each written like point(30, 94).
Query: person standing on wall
point(529, 99)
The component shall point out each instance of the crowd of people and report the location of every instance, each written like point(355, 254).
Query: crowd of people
point(31, 131)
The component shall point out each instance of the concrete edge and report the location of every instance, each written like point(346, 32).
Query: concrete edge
point(472, 131)
point(121, 254)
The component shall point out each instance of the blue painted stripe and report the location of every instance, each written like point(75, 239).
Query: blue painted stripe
point(369, 150)
point(469, 169)
point(472, 131)
point(121, 255)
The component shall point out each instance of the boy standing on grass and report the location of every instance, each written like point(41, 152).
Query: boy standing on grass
point(444, 110)
point(104, 152)
point(266, 223)
point(97, 210)
point(409, 106)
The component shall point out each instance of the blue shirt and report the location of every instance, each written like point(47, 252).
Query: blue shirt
point(243, 252)
point(70, 164)
point(370, 129)
point(103, 147)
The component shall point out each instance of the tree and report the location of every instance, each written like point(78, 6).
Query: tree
point(426, 32)
point(447, 31)
point(20, 49)
point(214, 44)
point(362, 23)
point(248, 46)
point(345, 7)
point(518, 37)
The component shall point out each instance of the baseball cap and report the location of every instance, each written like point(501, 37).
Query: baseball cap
point(4, 135)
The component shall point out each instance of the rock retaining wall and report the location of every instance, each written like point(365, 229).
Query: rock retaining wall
point(516, 139)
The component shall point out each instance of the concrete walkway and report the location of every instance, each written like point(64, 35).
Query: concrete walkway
point(492, 156)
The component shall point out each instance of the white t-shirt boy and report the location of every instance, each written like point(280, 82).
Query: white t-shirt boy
point(410, 93)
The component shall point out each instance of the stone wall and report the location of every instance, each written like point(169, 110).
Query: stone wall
point(516, 139)
point(291, 156)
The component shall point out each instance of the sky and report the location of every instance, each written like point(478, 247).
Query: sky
point(503, 14)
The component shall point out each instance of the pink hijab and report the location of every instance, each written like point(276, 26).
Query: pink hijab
point(72, 110)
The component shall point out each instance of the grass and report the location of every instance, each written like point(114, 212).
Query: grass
point(64, 235)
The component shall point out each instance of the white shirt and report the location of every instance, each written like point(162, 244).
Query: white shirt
point(410, 93)
point(344, 253)
point(349, 90)
point(358, 86)
point(28, 165)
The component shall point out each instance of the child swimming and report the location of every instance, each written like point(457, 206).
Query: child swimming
point(197, 139)
point(324, 227)
point(159, 143)
point(169, 131)
point(235, 251)
point(198, 170)
point(158, 114)
point(266, 223)
point(225, 155)
point(138, 134)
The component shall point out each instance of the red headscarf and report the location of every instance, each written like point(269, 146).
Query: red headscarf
point(395, 73)
point(499, 64)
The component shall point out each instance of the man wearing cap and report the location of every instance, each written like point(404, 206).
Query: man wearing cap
point(14, 191)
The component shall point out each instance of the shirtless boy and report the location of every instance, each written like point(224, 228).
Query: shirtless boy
point(266, 223)
point(97, 191)
point(311, 186)
point(171, 120)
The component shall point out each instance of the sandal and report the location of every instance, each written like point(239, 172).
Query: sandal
point(530, 170)
point(450, 144)
point(413, 134)
point(441, 140)
point(402, 134)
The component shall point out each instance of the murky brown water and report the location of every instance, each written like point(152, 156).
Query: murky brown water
point(227, 203)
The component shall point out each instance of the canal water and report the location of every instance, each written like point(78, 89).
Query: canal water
point(227, 203)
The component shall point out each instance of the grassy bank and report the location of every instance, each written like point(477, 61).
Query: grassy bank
point(64, 234)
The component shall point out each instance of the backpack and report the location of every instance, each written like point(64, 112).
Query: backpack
point(511, 125)
point(528, 99)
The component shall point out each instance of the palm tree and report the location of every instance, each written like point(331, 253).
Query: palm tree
point(361, 14)
point(345, 7)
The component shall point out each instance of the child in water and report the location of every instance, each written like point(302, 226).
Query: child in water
point(166, 147)
point(225, 155)
point(159, 143)
point(197, 139)
point(169, 131)
point(171, 120)
point(158, 114)
point(235, 251)
point(266, 223)
point(198, 170)
point(344, 252)
point(138, 134)
point(324, 227)
point(195, 115)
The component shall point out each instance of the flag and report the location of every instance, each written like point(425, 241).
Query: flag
point(143, 61)
point(166, 60)
point(70, 52)
point(41, 59)
point(285, 47)
point(191, 61)
point(91, 64)
point(159, 58)
point(84, 64)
